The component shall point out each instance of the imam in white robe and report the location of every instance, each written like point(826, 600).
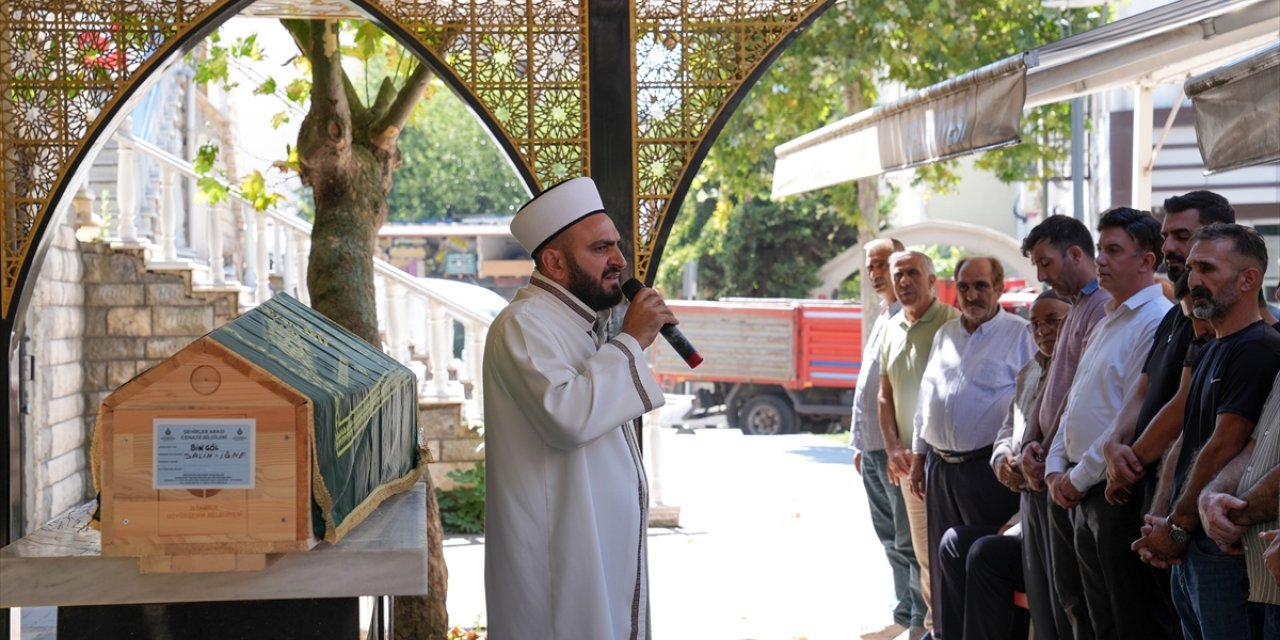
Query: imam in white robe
point(567, 499)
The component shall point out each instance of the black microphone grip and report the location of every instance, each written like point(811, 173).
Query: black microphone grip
point(669, 331)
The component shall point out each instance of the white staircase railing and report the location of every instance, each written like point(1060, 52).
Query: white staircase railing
point(417, 323)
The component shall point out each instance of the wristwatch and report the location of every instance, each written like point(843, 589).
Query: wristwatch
point(1178, 534)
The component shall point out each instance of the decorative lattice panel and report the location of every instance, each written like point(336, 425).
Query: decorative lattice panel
point(690, 58)
point(63, 63)
point(525, 63)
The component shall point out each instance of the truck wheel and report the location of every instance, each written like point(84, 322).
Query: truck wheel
point(766, 415)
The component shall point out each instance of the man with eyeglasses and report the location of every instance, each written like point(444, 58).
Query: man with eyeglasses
point(1120, 592)
point(965, 394)
point(1061, 247)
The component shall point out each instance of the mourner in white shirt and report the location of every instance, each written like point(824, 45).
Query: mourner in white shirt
point(965, 394)
point(1121, 593)
point(567, 502)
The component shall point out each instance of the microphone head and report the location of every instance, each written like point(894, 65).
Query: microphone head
point(631, 287)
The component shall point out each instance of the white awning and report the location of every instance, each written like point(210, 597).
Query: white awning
point(979, 110)
point(1161, 45)
point(1238, 112)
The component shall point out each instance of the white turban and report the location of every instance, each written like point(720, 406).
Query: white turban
point(554, 210)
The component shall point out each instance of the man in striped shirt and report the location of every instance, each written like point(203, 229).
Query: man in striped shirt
point(1241, 503)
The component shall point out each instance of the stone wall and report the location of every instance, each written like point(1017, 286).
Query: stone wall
point(54, 426)
point(452, 445)
point(134, 318)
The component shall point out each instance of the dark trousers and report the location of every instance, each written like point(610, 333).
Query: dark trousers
point(965, 493)
point(1066, 571)
point(1042, 597)
point(1123, 594)
point(983, 570)
point(1211, 592)
point(889, 519)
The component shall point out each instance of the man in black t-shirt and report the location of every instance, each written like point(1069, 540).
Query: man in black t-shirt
point(1231, 381)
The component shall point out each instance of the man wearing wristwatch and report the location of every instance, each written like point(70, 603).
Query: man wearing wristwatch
point(1229, 386)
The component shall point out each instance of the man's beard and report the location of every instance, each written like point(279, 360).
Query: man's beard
point(1176, 269)
point(590, 290)
point(1206, 307)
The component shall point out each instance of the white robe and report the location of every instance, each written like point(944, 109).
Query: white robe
point(567, 503)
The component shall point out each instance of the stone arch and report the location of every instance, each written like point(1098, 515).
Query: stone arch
point(978, 240)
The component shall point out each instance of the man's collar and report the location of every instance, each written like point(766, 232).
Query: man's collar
point(989, 321)
point(579, 308)
point(929, 314)
point(1089, 288)
point(1141, 297)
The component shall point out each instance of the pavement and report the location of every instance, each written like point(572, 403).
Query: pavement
point(774, 542)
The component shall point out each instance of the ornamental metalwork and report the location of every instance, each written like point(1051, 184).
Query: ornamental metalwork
point(67, 67)
point(690, 59)
point(525, 64)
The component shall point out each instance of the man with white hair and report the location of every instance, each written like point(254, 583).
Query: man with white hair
point(567, 505)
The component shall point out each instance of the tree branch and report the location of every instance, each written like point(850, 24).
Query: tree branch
point(386, 129)
point(359, 114)
point(386, 94)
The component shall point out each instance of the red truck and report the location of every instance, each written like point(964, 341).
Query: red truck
point(772, 366)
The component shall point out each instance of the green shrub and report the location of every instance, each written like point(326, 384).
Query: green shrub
point(462, 509)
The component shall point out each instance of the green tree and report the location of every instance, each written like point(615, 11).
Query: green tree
point(452, 166)
point(831, 71)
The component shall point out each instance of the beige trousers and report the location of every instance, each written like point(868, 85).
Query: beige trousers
point(920, 543)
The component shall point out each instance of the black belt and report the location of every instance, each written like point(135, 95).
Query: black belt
point(959, 457)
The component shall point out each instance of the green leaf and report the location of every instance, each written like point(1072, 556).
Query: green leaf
point(247, 47)
point(253, 187)
point(368, 39)
point(205, 157)
point(279, 119)
point(298, 89)
point(267, 88)
point(211, 190)
point(213, 68)
point(291, 163)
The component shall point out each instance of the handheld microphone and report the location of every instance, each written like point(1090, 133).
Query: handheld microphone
point(669, 331)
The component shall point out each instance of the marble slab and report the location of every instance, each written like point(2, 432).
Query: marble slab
point(61, 565)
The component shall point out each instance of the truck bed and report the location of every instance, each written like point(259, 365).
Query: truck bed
point(790, 343)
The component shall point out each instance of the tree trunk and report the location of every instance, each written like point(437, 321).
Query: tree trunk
point(426, 616)
point(347, 155)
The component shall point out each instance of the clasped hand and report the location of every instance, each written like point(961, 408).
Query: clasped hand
point(1123, 469)
point(1155, 547)
point(1216, 510)
point(1062, 491)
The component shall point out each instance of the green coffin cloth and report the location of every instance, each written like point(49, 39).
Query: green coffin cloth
point(365, 439)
